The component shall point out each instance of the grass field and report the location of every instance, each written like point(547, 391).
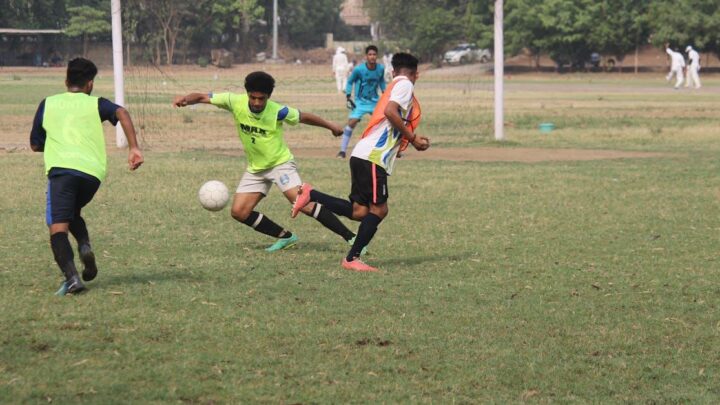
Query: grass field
point(592, 281)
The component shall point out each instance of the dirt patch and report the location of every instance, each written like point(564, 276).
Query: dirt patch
point(488, 154)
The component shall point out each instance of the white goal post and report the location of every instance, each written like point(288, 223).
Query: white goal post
point(499, 71)
point(115, 13)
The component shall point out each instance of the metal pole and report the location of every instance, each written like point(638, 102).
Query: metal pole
point(275, 29)
point(115, 9)
point(499, 71)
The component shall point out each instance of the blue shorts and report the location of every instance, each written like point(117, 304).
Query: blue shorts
point(362, 108)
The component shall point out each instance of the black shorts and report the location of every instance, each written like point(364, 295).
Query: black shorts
point(369, 182)
point(66, 195)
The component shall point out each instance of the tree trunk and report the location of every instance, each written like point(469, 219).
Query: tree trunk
point(158, 55)
point(85, 45)
point(127, 52)
point(637, 51)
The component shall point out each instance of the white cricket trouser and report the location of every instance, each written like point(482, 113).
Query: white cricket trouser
point(341, 81)
point(693, 77)
point(677, 72)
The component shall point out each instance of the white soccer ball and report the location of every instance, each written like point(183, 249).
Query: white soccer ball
point(213, 195)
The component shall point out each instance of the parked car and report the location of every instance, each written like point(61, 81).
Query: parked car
point(467, 53)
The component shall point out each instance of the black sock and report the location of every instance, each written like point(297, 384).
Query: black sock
point(334, 204)
point(331, 222)
point(79, 230)
point(62, 250)
point(263, 224)
point(367, 230)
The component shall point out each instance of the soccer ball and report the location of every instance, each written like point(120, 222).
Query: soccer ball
point(213, 195)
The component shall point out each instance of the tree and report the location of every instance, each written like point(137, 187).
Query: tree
point(304, 23)
point(433, 26)
point(619, 27)
point(237, 19)
point(524, 28)
point(690, 22)
point(86, 21)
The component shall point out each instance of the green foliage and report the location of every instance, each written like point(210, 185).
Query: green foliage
point(85, 20)
point(692, 22)
point(619, 26)
point(303, 23)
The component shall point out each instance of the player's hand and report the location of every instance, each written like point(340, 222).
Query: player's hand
point(180, 101)
point(135, 158)
point(337, 130)
point(349, 103)
point(421, 143)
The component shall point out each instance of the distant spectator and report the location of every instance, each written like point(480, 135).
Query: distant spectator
point(340, 67)
point(692, 71)
point(676, 66)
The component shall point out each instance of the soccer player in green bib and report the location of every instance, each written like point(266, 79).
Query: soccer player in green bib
point(259, 124)
point(68, 130)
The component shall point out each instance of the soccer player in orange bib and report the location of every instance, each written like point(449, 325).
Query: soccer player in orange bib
point(391, 128)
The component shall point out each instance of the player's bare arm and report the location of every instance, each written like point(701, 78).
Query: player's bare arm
point(314, 120)
point(135, 156)
point(190, 99)
point(420, 143)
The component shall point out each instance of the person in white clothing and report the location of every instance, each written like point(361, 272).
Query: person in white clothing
point(340, 67)
point(676, 66)
point(692, 76)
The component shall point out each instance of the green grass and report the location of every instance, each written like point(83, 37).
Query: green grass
point(502, 282)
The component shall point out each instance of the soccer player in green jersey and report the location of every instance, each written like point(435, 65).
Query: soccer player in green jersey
point(68, 130)
point(259, 124)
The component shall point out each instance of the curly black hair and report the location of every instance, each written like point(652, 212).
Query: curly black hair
point(259, 81)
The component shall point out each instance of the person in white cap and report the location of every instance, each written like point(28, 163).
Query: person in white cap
point(340, 67)
point(692, 76)
point(676, 66)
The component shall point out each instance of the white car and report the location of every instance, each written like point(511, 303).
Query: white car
point(467, 53)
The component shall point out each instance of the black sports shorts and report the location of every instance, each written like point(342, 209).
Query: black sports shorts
point(66, 195)
point(369, 182)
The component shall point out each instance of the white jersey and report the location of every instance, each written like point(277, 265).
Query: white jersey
point(678, 62)
point(340, 63)
point(382, 143)
point(694, 59)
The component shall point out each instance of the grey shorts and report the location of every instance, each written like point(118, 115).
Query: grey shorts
point(285, 176)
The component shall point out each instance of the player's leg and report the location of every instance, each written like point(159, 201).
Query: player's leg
point(372, 193)
point(688, 77)
point(338, 82)
point(287, 178)
point(254, 187)
point(78, 228)
point(61, 197)
point(360, 180)
point(679, 81)
point(696, 78)
point(353, 120)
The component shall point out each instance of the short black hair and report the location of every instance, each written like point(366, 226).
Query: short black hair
point(371, 48)
point(404, 61)
point(259, 81)
point(80, 71)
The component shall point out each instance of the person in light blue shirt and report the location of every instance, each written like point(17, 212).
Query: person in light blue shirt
point(364, 81)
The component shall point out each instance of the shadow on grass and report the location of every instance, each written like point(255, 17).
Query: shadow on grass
point(148, 277)
point(424, 259)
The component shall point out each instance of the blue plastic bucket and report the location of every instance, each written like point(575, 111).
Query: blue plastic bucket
point(547, 127)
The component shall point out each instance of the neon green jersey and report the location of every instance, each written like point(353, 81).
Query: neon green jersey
point(261, 134)
point(75, 138)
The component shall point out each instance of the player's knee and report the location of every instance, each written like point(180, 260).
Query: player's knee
point(380, 210)
point(240, 214)
point(359, 212)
